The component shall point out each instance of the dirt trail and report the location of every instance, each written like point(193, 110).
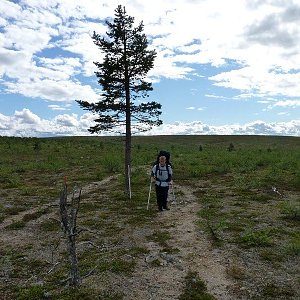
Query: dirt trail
point(195, 253)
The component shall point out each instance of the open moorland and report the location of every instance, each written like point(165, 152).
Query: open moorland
point(232, 231)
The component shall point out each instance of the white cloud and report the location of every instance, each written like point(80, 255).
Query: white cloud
point(8, 9)
point(10, 59)
point(60, 91)
point(253, 128)
point(288, 103)
point(194, 108)
point(3, 22)
point(215, 96)
point(26, 117)
point(62, 64)
point(66, 120)
point(24, 123)
point(4, 123)
point(57, 107)
point(28, 39)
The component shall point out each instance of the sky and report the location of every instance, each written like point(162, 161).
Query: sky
point(222, 67)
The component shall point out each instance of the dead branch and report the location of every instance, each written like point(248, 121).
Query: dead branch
point(53, 267)
point(89, 273)
point(68, 221)
point(101, 248)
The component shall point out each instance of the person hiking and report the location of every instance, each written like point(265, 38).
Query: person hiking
point(162, 173)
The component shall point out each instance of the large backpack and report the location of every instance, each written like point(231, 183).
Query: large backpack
point(168, 163)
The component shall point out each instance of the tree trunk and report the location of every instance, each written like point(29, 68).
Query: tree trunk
point(75, 279)
point(128, 124)
point(68, 221)
point(128, 143)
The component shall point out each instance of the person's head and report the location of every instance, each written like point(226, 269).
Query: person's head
point(162, 160)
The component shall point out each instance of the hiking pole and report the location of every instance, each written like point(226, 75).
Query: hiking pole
point(149, 193)
point(129, 183)
point(174, 194)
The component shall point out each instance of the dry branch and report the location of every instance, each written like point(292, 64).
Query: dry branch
point(68, 221)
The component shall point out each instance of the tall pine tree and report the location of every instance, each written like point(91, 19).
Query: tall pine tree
point(121, 75)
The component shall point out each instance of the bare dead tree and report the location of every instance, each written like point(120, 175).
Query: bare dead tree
point(69, 224)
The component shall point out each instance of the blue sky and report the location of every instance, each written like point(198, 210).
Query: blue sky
point(223, 67)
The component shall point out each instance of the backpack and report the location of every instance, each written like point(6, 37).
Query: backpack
point(168, 163)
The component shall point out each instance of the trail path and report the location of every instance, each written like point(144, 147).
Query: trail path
point(194, 253)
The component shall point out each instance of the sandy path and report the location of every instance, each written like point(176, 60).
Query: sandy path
point(195, 253)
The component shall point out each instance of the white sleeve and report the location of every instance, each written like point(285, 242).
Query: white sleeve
point(153, 171)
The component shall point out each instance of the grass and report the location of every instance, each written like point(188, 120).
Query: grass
point(16, 225)
point(31, 293)
point(291, 210)
point(195, 288)
point(273, 291)
point(271, 255)
point(233, 177)
point(236, 271)
point(259, 238)
point(293, 247)
point(160, 237)
point(33, 216)
point(50, 225)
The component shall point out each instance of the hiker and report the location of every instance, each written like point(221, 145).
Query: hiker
point(162, 175)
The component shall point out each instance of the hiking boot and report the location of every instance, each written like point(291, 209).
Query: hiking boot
point(166, 208)
point(160, 209)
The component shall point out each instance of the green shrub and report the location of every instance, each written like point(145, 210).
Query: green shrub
point(31, 293)
point(16, 225)
point(293, 248)
point(160, 237)
point(50, 225)
point(195, 288)
point(258, 238)
point(111, 165)
point(274, 291)
point(291, 211)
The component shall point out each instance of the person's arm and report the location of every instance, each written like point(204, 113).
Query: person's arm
point(170, 175)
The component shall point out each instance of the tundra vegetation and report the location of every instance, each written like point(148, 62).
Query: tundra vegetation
point(248, 189)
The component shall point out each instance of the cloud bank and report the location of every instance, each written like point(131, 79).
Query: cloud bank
point(27, 124)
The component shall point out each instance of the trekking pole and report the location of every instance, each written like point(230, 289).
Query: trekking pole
point(174, 195)
point(149, 194)
point(129, 183)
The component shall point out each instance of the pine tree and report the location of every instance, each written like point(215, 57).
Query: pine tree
point(121, 75)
